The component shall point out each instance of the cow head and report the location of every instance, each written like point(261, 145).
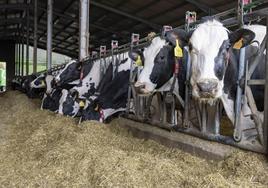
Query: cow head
point(39, 82)
point(158, 61)
point(210, 45)
point(92, 112)
point(69, 106)
point(71, 72)
point(49, 81)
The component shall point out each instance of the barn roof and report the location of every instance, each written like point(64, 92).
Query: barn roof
point(109, 20)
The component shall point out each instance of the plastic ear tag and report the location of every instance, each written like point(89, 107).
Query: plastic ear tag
point(97, 108)
point(238, 45)
point(81, 104)
point(138, 62)
point(43, 83)
point(178, 50)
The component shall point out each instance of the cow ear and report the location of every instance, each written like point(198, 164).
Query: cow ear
point(134, 55)
point(177, 34)
point(241, 38)
point(79, 65)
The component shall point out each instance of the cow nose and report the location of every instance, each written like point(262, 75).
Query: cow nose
point(138, 86)
point(207, 86)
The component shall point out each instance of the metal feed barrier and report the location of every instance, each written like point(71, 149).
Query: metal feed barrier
point(165, 110)
point(204, 120)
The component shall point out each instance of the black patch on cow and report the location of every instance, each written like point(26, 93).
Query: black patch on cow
point(73, 71)
point(113, 96)
point(163, 66)
point(51, 102)
point(221, 60)
point(68, 106)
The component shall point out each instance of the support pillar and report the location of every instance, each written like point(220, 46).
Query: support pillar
point(22, 54)
point(49, 33)
point(35, 37)
point(19, 57)
point(265, 124)
point(84, 29)
point(27, 41)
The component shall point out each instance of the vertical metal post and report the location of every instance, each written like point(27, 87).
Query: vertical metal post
point(19, 56)
point(35, 37)
point(49, 33)
point(265, 124)
point(16, 59)
point(238, 101)
point(22, 53)
point(27, 40)
point(84, 29)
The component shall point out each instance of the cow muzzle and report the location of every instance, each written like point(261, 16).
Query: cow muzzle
point(207, 88)
point(140, 89)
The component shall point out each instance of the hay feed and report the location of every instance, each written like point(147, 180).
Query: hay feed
point(43, 149)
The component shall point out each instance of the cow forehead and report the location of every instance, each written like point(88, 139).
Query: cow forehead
point(209, 36)
point(154, 48)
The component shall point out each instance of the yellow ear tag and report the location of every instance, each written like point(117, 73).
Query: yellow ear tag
point(97, 108)
point(43, 83)
point(138, 62)
point(238, 45)
point(178, 50)
point(81, 104)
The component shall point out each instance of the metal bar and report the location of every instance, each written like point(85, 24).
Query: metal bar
point(35, 37)
point(257, 59)
point(49, 33)
point(84, 29)
point(19, 55)
point(19, 6)
point(114, 10)
point(256, 82)
point(22, 57)
point(265, 123)
point(203, 7)
point(238, 101)
point(27, 41)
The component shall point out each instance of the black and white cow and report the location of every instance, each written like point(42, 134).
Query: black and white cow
point(73, 72)
point(52, 96)
point(113, 94)
point(159, 65)
point(69, 103)
point(214, 63)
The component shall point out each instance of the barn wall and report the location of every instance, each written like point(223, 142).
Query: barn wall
point(7, 54)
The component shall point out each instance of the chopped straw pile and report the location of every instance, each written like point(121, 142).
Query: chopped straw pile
point(42, 149)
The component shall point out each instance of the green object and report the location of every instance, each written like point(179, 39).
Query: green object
point(2, 74)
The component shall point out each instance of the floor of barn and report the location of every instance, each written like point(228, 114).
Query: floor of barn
point(42, 149)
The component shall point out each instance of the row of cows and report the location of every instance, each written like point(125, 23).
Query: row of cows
point(94, 90)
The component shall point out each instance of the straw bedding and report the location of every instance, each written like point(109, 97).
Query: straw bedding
point(42, 149)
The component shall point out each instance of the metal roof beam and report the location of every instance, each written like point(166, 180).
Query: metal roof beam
point(114, 10)
point(203, 7)
point(19, 6)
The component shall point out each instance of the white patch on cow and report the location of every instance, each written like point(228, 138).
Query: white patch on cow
point(57, 77)
point(62, 99)
point(76, 109)
point(93, 77)
point(259, 31)
point(149, 55)
point(43, 99)
point(206, 42)
point(110, 111)
point(40, 77)
point(125, 66)
point(74, 82)
point(48, 80)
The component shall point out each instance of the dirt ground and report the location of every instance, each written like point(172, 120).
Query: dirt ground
point(42, 149)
